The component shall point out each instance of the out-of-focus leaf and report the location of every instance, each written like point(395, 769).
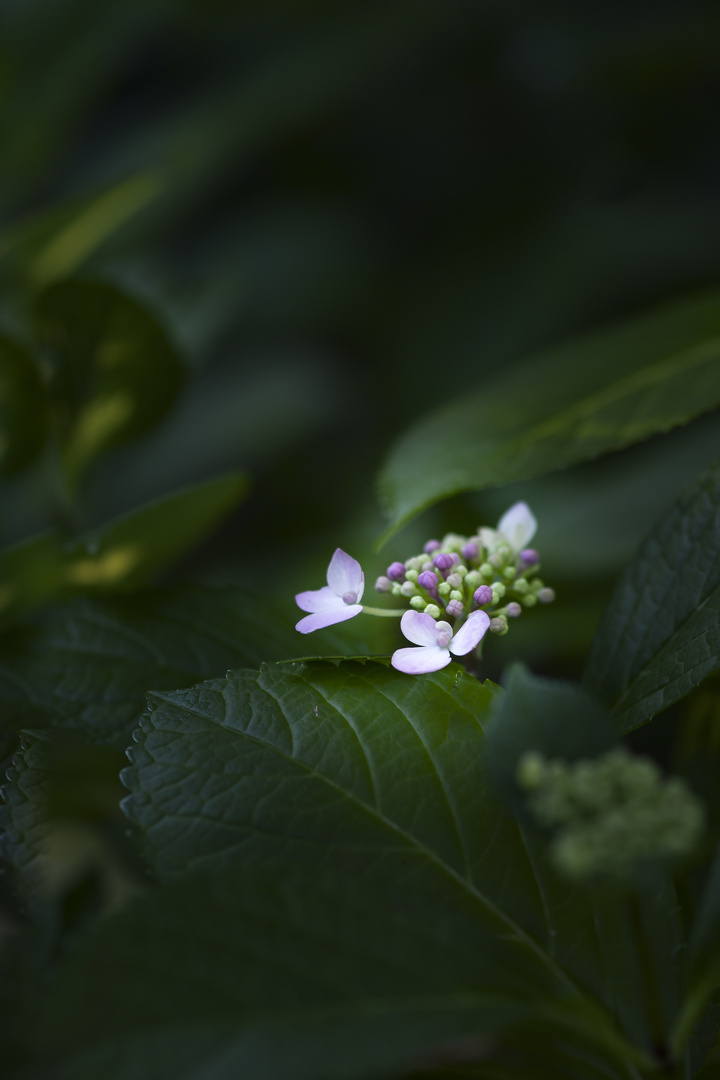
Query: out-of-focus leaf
point(660, 635)
point(23, 408)
point(122, 554)
point(564, 406)
point(284, 974)
point(61, 816)
point(597, 928)
point(116, 372)
point(86, 666)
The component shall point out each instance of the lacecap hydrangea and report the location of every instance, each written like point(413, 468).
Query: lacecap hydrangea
point(457, 589)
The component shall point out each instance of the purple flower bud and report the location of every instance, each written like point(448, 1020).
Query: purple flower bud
point(350, 597)
point(530, 557)
point(483, 595)
point(432, 545)
point(454, 608)
point(497, 625)
point(382, 584)
point(443, 561)
point(546, 596)
point(428, 580)
point(513, 609)
point(470, 551)
point(396, 571)
point(456, 560)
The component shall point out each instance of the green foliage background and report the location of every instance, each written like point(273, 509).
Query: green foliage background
point(281, 277)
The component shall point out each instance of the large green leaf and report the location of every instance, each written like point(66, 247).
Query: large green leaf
point(318, 764)
point(116, 373)
point(660, 635)
point(291, 975)
point(561, 407)
point(124, 553)
point(87, 665)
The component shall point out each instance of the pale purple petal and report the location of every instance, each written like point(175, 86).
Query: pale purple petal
point(420, 661)
point(320, 600)
point(321, 619)
point(470, 633)
point(419, 628)
point(518, 526)
point(345, 574)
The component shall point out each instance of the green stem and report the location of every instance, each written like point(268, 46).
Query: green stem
point(388, 613)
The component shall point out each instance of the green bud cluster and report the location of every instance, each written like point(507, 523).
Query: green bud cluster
point(514, 584)
point(610, 815)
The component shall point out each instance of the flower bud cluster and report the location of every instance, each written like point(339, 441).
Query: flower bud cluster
point(610, 815)
point(457, 575)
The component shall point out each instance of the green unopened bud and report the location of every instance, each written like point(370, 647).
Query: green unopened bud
point(462, 570)
point(509, 573)
point(456, 594)
point(396, 589)
point(433, 611)
point(453, 542)
point(408, 589)
point(521, 587)
point(443, 588)
point(499, 625)
point(530, 600)
point(454, 580)
point(486, 571)
point(415, 563)
point(472, 580)
point(418, 603)
point(411, 575)
point(499, 590)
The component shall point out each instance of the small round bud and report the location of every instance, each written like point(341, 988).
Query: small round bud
point(428, 580)
point(456, 594)
point(432, 545)
point(498, 625)
point(521, 586)
point(496, 560)
point(530, 770)
point(470, 550)
point(483, 595)
point(546, 596)
point(444, 638)
point(411, 575)
point(509, 573)
point(472, 580)
point(417, 602)
point(530, 600)
point(408, 589)
point(453, 542)
point(443, 561)
point(499, 589)
point(513, 610)
point(396, 589)
point(396, 571)
point(382, 584)
point(433, 611)
point(443, 588)
point(427, 565)
point(350, 597)
point(455, 608)
point(454, 581)
point(415, 563)
point(530, 557)
point(461, 570)
point(486, 571)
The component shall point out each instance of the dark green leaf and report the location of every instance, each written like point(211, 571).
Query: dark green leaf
point(87, 666)
point(312, 764)
point(305, 976)
point(23, 408)
point(661, 632)
point(122, 554)
point(116, 372)
point(564, 406)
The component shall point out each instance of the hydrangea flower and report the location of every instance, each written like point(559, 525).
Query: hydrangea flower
point(337, 601)
point(516, 527)
point(436, 641)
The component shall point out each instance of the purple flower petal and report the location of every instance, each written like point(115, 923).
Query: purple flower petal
point(321, 619)
point(419, 628)
point(470, 633)
point(345, 574)
point(420, 661)
point(320, 600)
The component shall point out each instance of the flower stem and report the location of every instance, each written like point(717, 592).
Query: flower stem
point(388, 613)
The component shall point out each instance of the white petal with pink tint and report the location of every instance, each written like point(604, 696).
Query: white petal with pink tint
point(470, 633)
point(419, 628)
point(518, 526)
point(327, 605)
point(344, 575)
point(420, 661)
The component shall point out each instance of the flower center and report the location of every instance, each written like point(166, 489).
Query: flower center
point(350, 598)
point(444, 634)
